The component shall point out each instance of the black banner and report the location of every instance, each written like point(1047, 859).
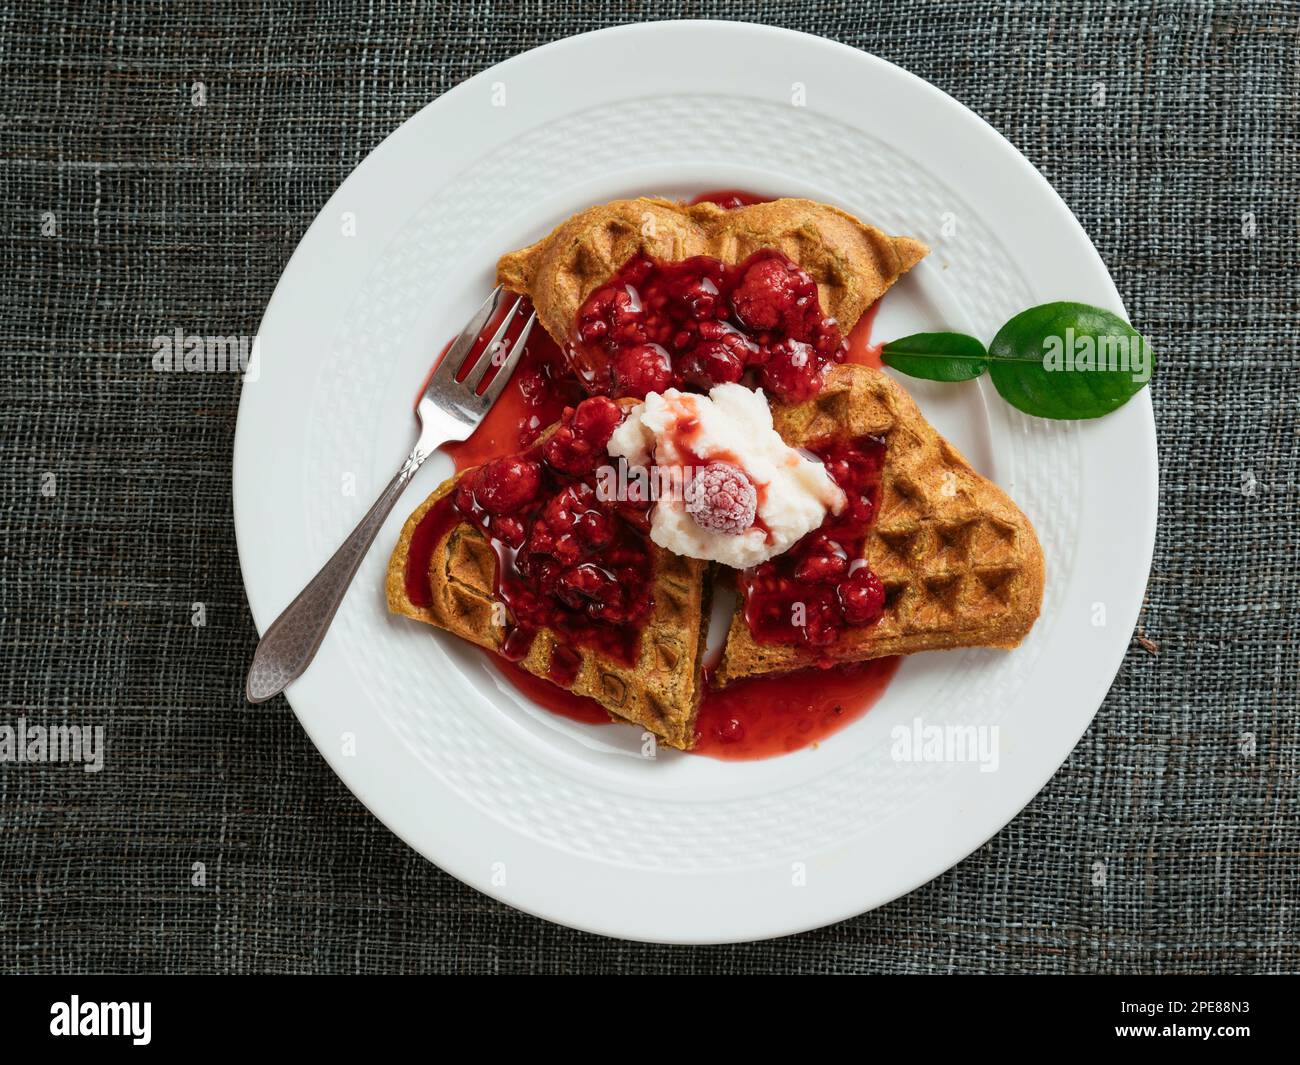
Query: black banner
point(234, 1013)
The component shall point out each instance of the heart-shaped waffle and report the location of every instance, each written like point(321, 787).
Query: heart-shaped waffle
point(960, 564)
point(659, 689)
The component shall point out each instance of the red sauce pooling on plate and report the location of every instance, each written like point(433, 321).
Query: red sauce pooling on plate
point(862, 351)
point(751, 719)
point(550, 697)
point(770, 716)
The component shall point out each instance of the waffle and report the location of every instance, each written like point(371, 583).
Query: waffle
point(660, 691)
point(961, 565)
point(853, 263)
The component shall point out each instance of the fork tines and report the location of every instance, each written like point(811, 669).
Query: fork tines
point(500, 353)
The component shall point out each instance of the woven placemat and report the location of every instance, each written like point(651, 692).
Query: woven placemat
point(216, 839)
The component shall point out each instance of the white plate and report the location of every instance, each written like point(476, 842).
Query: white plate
point(563, 820)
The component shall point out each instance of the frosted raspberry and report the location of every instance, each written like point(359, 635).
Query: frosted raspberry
point(722, 499)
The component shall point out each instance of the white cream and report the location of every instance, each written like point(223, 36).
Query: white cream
point(732, 424)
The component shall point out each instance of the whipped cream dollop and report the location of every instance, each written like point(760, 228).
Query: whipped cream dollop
point(718, 443)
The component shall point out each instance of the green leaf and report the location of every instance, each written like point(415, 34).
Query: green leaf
point(1069, 360)
point(936, 356)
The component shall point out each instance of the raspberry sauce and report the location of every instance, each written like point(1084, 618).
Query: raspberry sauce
point(439, 520)
point(810, 594)
point(770, 716)
point(751, 719)
point(565, 560)
point(702, 322)
point(547, 695)
point(862, 352)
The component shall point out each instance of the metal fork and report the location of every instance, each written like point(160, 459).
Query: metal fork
point(448, 410)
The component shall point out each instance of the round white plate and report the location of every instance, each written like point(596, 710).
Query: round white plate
point(567, 821)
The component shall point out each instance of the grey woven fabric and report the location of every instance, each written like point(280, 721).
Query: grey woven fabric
point(128, 213)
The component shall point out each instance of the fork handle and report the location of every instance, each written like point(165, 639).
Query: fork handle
point(293, 639)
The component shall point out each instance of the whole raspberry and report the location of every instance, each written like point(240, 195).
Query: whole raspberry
point(577, 444)
point(862, 597)
point(772, 295)
point(507, 484)
point(722, 499)
point(711, 362)
point(793, 371)
point(611, 313)
point(642, 369)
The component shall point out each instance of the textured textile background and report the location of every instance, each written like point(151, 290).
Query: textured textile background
point(128, 212)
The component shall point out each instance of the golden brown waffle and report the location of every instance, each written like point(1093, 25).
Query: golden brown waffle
point(853, 263)
point(961, 565)
point(660, 692)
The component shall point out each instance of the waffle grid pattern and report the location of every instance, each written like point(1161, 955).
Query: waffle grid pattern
point(946, 566)
point(944, 574)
